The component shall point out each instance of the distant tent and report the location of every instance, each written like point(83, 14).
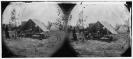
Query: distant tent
point(89, 27)
point(31, 25)
point(81, 27)
point(23, 22)
point(123, 29)
point(54, 27)
point(99, 27)
point(91, 24)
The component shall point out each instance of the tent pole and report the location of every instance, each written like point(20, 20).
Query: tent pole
point(107, 31)
point(30, 25)
point(98, 26)
point(39, 30)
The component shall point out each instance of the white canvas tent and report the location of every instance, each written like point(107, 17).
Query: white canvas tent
point(40, 24)
point(54, 27)
point(31, 25)
point(123, 29)
point(108, 26)
point(99, 26)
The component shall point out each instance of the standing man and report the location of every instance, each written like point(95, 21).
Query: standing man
point(74, 35)
point(103, 30)
point(3, 29)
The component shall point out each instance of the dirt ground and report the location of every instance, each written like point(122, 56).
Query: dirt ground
point(95, 48)
point(29, 47)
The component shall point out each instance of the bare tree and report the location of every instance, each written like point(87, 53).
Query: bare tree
point(13, 16)
point(13, 22)
point(81, 20)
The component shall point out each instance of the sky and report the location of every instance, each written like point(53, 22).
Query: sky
point(112, 13)
point(42, 11)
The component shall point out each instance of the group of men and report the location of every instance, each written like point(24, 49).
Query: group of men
point(89, 35)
